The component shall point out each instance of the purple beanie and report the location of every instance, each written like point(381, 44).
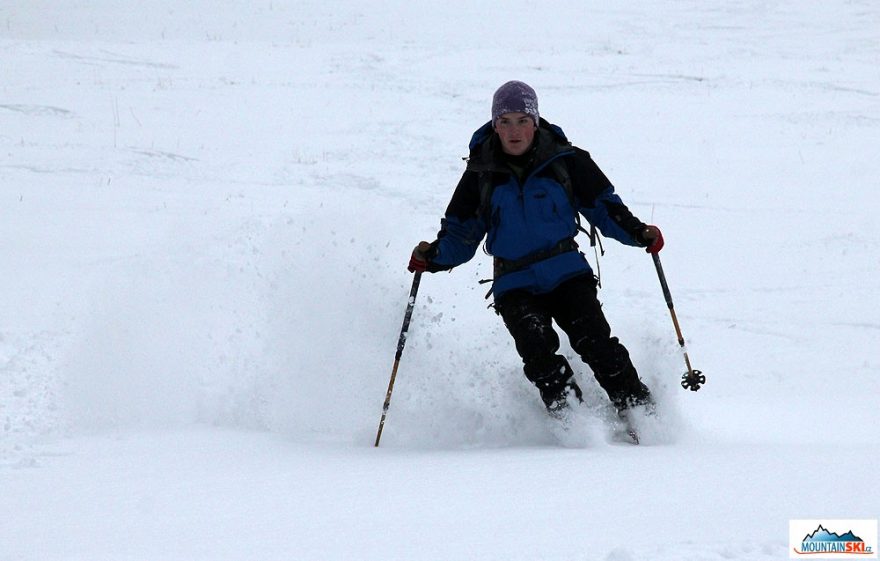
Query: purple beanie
point(515, 97)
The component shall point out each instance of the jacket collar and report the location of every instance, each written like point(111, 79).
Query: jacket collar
point(486, 155)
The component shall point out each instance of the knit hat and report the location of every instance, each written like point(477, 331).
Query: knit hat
point(515, 97)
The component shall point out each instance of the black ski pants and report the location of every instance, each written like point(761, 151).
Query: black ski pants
point(575, 308)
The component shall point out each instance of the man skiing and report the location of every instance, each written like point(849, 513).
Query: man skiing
point(522, 190)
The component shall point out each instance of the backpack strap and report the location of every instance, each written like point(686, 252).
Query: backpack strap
point(484, 180)
point(560, 170)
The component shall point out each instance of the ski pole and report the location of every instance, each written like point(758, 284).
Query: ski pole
point(400, 343)
point(692, 379)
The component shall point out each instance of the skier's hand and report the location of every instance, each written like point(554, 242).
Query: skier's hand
point(418, 261)
point(653, 238)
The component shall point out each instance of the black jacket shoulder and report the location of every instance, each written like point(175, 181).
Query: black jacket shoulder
point(587, 180)
point(465, 201)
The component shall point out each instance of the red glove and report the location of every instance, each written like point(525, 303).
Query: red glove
point(418, 261)
point(654, 238)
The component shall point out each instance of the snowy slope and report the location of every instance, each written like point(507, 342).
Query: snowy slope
point(207, 209)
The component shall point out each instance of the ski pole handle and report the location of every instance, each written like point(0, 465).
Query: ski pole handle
point(401, 342)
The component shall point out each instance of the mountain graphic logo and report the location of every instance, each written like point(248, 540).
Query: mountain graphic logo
point(821, 534)
point(823, 542)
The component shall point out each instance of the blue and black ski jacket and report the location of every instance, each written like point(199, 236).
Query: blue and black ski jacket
point(527, 213)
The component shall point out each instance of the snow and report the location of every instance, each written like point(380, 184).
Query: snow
point(207, 210)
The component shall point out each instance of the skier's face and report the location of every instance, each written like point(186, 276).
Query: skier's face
point(516, 131)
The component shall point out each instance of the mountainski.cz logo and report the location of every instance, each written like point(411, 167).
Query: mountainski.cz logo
point(832, 539)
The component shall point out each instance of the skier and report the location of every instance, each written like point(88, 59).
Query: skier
point(522, 189)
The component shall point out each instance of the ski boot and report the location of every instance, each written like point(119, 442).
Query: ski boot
point(624, 405)
point(558, 396)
